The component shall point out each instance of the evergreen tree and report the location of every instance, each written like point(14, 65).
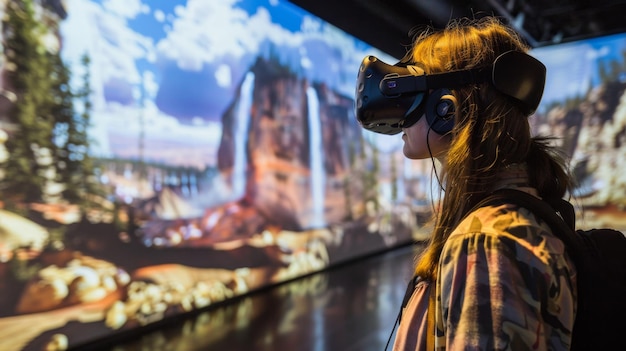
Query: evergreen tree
point(27, 65)
point(615, 69)
point(45, 118)
point(62, 108)
point(66, 131)
point(80, 165)
point(603, 72)
point(83, 129)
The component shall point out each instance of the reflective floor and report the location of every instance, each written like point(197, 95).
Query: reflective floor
point(350, 307)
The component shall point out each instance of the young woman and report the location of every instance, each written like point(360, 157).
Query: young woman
point(501, 278)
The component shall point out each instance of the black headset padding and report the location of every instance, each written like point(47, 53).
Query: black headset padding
point(440, 107)
point(521, 77)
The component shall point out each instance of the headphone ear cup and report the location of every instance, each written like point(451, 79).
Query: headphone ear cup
point(440, 108)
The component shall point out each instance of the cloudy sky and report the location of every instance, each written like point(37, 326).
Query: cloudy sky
point(172, 65)
point(572, 67)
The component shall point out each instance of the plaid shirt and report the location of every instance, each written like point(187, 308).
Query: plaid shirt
point(504, 283)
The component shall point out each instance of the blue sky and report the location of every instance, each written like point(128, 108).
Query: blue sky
point(173, 65)
point(573, 67)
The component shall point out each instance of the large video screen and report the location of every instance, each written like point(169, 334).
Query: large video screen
point(584, 107)
point(159, 157)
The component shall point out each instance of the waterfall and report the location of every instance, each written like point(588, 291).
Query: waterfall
point(318, 175)
point(240, 135)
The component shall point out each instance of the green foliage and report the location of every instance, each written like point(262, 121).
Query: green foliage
point(612, 70)
point(49, 143)
point(76, 167)
point(24, 177)
point(23, 269)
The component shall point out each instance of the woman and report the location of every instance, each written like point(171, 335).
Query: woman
point(502, 280)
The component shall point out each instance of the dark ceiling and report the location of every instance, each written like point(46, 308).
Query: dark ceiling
point(385, 24)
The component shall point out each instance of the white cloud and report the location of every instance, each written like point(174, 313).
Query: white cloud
point(223, 76)
point(594, 54)
point(207, 30)
point(159, 16)
point(201, 32)
point(126, 8)
point(105, 36)
point(306, 62)
point(150, 84)
point(128, 121)
point(310, 24)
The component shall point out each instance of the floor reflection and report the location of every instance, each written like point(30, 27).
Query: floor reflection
point(350, 307)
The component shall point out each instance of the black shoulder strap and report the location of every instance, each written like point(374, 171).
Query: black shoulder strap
point(430, 340)
point(431, 324)
point(557, 213)
point(405, 300)
point(546, 209)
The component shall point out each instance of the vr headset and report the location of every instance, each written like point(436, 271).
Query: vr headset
point(389, 98)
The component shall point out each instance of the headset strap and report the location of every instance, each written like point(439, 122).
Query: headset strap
point(394, 84)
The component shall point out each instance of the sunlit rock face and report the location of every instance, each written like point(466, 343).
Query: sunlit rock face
point(285, 147)
point(593, 133)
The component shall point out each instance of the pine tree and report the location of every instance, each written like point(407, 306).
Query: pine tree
point(75, 166)
point(45, 119)
point(25, 177)
point(80, 142)
point(64, 130)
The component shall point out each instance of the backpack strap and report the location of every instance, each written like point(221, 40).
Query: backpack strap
point(559, 214)
point(431, 325)
point(407, 295)
point(430, 321)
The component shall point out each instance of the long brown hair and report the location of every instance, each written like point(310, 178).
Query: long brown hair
point(491, 131)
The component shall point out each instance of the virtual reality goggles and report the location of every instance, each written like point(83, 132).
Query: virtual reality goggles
point(386, 95)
